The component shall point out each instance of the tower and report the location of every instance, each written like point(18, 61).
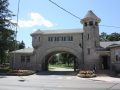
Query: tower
point(90, 38)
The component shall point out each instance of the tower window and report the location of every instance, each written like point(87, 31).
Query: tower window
point(39, 38)
point(90, 23)
point(85, 24)
point(88, 36)
point(96, 23)
point(95, 44)
point(88, 50)
point(80, 45)
point(62, 38)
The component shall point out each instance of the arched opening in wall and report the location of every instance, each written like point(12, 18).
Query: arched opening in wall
point(60, 61)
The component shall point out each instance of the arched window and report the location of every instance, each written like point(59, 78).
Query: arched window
point(90, 23)
point(85, 24)
point(96, 23)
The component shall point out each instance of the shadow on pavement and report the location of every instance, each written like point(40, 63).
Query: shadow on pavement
point(69, 73)
point(21, 80)
point(2, 76)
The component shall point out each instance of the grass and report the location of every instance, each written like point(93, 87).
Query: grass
point(61, 66)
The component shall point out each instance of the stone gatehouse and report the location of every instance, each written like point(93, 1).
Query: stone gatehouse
point(83, 43)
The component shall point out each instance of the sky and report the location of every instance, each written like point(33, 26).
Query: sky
point(44, 15)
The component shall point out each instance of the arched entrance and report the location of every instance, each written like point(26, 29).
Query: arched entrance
point(45, 57)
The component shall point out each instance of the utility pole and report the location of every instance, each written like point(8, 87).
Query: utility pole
point(15, 36)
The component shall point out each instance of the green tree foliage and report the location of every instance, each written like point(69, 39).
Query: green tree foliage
point(114, 37)
point(21, 45)
point(67, 58)
point(6, 42)
point(103, 36)
point(6, 34)
point(109, 37)
point(5, 14)
point(53, 60)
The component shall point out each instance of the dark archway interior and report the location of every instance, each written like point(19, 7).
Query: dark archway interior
point(54, 59)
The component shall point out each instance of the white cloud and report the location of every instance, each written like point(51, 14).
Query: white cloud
point(36, 19)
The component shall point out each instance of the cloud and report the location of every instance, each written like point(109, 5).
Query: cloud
point(36, 19)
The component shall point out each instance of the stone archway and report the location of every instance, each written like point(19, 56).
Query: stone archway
point(48, 53)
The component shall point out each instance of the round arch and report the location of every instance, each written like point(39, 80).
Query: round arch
point(48, 53)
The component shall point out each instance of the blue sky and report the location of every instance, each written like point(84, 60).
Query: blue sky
point(42, 14)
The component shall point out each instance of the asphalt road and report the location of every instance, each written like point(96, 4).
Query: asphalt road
point(54, 80)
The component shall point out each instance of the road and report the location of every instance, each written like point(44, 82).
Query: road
point(55, 80)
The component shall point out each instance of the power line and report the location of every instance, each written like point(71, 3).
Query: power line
point(75, 15)
point(64, 10)
point(109, 26)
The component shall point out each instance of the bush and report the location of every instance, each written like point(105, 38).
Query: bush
point(20, 72)
point(86, 74)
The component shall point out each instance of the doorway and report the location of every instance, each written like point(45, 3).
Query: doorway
point(104, 62)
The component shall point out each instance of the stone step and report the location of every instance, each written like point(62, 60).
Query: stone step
point(105, 73)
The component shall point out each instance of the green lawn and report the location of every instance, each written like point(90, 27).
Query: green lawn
point(60, 66)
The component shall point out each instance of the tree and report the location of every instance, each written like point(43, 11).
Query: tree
point(6, 42)
point(22, 45)
point(53, 60)
point(109, 37)
point(114, 37)
point(5, 14)
point(6, 35)
point(104, 36)
point(67, 58)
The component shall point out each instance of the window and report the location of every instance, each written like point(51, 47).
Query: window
point(27, 58)
point(88, 50)
point(70, 38)
point(22, 58)
point(57, 38)
point(80, 45)
point(96, 23)
point(39, 38)
point(117, 56)
point(95, 44)
point(90, 23)
point(51, 38)
point(64, 38)
point(88, 36)
point(85, 24)
point(48, 38)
